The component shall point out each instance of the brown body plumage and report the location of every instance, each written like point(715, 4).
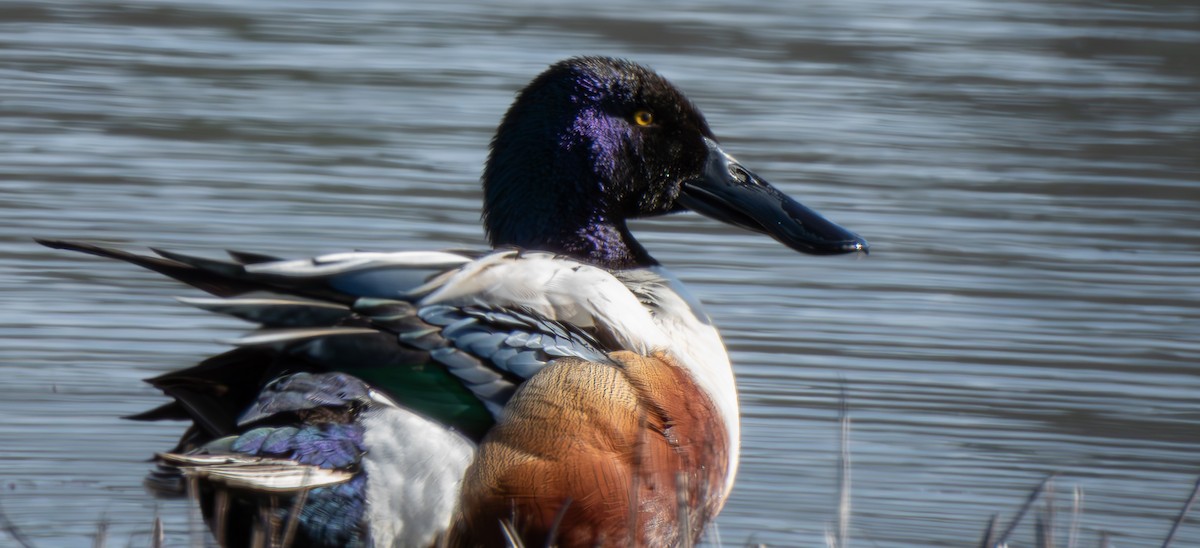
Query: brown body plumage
point(594, 454)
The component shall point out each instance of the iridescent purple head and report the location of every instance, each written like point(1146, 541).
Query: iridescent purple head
point(594, 141)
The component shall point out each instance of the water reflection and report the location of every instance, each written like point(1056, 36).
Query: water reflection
point(1026, 173)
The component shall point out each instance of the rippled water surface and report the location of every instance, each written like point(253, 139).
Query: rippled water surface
point(1028, 174)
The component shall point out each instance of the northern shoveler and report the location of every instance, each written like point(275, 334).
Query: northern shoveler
point(561, 389)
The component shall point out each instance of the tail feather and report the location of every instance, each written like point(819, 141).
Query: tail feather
point(246, 257)
point(236, 273)
point(214, 392)
point(188, 274)
point(166, 412)
point(353, 313)
point(275, 312)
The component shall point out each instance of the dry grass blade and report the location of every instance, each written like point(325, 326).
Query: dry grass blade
point(101, 533)
point(13, 531)
point(1046, 518)
point(511, 538)
point(293, 518)
point(989, 534)
point(1182, 514)
point(715, 538)
point(635, 480)
point(843, 518)
point(274, 523)
point(195, 521)
point(220, 515)
point(1076, 511)
point(558, 519)
point(1033, 496)
point(264, 532)
point(681, 502)
point(157, 535)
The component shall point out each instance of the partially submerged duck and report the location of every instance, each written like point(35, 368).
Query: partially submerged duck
point(562, 389)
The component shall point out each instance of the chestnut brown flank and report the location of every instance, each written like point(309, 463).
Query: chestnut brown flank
point(604, 451)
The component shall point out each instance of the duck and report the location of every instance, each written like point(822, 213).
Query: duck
point(561, 388)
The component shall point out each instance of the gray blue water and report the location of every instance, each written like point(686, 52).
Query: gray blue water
point(1028, 174)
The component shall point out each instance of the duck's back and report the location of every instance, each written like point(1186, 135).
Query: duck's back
point(591, 420)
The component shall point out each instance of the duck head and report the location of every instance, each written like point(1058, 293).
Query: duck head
point(594, 141)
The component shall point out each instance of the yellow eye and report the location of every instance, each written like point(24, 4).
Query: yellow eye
point(643, 118)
